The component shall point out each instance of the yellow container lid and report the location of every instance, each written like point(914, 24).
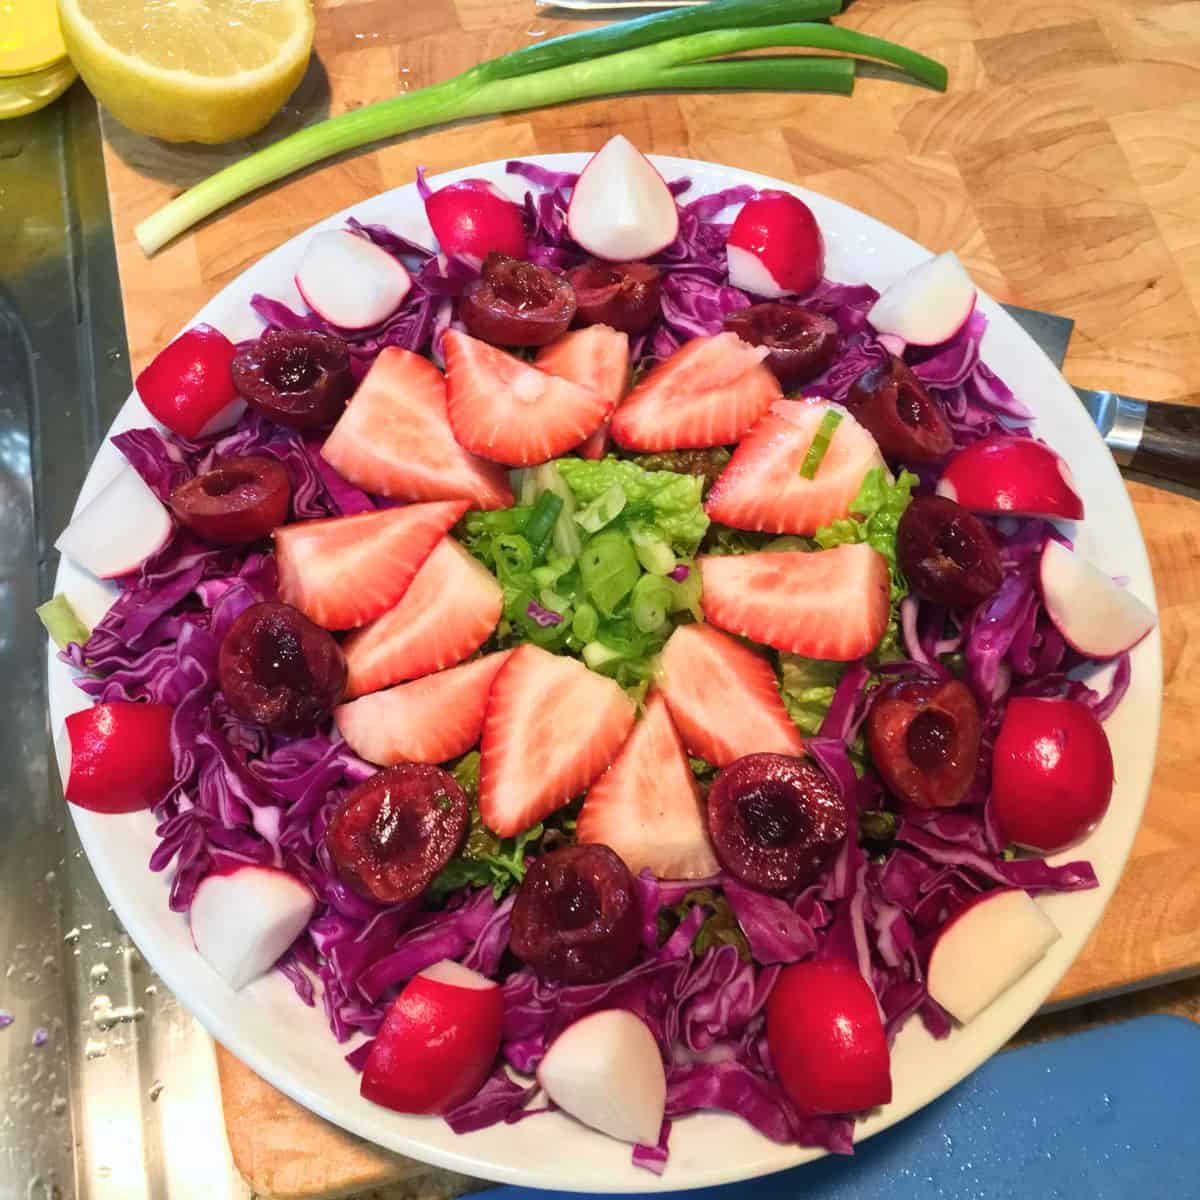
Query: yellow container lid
point(30, 39)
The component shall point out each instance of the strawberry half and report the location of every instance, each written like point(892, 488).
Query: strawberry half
point(647, 805)
point(429, 720)
point(447, 614)
point(723, 697)
point(708, 393)
point(550, 729)
point(595, 357)
point(762, 487)
point(345, 571)
point(395, 439)
point(828, 604)
point(508, 411)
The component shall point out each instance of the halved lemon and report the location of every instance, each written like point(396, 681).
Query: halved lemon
point(190, 70)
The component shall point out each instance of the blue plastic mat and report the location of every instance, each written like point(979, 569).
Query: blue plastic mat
point(1109, 1114)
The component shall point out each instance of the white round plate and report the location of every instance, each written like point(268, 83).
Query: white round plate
point(288, 1044)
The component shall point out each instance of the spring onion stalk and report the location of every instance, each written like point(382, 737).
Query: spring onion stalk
point(585, 68)
point(773, 73)
point(820, 444)
point(541, 521)
point(62, 622)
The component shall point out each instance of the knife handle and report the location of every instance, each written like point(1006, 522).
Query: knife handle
point(1170, 443)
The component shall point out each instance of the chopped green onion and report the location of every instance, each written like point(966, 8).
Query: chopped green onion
point(651, 601)
point(597, 655)
point(567, 541)
point(820, 443)
point(656, 557)
point(549, 598)
point(548, 575)
point(541, 521)
point(609, 569)
point(602, 511)
point(686, 594)
point(586, 623)
point(62, 622)
point(514, 555)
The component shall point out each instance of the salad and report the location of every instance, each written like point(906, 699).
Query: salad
point(604, 663)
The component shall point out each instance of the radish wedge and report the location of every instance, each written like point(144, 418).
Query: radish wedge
point(775, 246)
point(350, 281)
point(121, 527)
point(621, 209)
point(1013, 477)
point(473, 218)
point(1094, 615)
point(927, 306)
point(985, 949)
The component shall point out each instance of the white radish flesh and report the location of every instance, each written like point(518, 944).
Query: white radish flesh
point(350, 281)
point(116, 531)
point(927, 306)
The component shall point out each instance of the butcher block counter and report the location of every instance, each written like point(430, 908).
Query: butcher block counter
point(1063, 166)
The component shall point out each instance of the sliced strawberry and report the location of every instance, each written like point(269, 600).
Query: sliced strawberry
point(828, 604)
point(550, 729)
point(395, 439)
point(345, 571)
point(447, 614)
point(428, 720)
point(723, 697)
point(596, 357)
point(708, 393)
point(762, 487)
point(647, 805)
point(508, 411)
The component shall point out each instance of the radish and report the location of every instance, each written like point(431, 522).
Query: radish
point(621, 209)
point(350, 281)
point(1052, 773)
point(437, 1043)
point(472, 219)
point(188, 385)
point(1012, 476)
point(1094, 615)
point(116, 757)
point(927, 306)
point(775, 246)
point(606, 1071)
point(118, 529)
point(985, 949)
point(827, 1040)
point(244, 920)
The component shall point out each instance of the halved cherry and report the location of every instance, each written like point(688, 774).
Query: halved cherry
point(802, 343)
point(238, 500)
point(395, 831)
point(515, 303)
point(900, 414)
point(623, 295)
point(775, 820)
point(924, 737)
point(296, 377)
point(947, 554)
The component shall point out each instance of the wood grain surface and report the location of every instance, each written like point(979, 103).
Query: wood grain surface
point(1064, 167)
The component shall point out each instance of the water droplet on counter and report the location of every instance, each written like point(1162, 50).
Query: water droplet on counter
point(58, 1104)
point(156, 1089)
point(152, 989)
point(94, 1049)
point(71, 936)
point(99, 973)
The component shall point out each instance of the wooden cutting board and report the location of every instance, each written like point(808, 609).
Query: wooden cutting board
point(1062, 166)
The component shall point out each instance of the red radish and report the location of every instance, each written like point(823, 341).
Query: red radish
point(429, 720)
point(122, 526)
point(188, 386)
point(536, 692)
point(118, 756)
point(395, 440)
point(1093, 614)
point(827, 1040)
point(595, 357)
point(927, 306)
point(437, 1043)
point(606, 1070)
point(762, 487)
point(621, 208)
point(1013, 476)
point(472, 218)
point(829, 604)
point(244, 920)
point(345, 571)
point(647, 806)
point(985, 949)
point(710, 392)
point(723, 697)
point(350, 281)
point(508, 411)
point(1052, 773)
point(775, 246)
point(448, 612)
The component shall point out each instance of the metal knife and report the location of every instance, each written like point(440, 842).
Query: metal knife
point(1146, 436)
